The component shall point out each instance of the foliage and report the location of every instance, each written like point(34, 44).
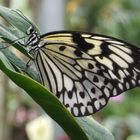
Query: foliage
point(118, 18)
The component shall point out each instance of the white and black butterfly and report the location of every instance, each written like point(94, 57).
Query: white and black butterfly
point(83, 69)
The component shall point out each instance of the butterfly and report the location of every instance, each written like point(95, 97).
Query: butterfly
point(84, 69)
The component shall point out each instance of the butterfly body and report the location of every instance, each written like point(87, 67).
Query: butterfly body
point(83, 69)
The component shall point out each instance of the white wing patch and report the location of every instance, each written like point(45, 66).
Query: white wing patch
point(119, 61)
point(105, 61)
point(68, 83)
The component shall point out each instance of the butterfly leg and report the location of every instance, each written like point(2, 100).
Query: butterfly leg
point(28, 64)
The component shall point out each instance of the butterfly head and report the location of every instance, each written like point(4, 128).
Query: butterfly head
point(33, 38)
point(30, 30)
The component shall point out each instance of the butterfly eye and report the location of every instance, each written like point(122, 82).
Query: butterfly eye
point(30, 30)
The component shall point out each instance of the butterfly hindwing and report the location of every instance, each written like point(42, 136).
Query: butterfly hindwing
point(84, 70)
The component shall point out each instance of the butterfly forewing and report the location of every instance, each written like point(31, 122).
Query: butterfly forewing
point(84, 70)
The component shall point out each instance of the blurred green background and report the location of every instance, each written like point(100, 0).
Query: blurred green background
point(117, 18)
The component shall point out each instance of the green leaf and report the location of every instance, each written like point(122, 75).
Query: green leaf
point(93, 129)
point(6, 61)
point(47, 101)
point(17, 19)
point(6, 35)
point(21, 24)
point(17, 62)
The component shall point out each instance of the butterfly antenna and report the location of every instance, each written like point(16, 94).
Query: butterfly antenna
point(18, 39)
point(15, 41)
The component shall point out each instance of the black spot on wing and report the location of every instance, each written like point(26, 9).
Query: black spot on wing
point(62, 48)
point(95, 79)
point(93, 90)
point(81, 43)
point(78, 53)
point(82, 94)
point(90, 66)
point(70, 94)
point(105, 50)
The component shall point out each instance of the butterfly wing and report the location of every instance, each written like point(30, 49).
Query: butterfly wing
point(84, 70)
